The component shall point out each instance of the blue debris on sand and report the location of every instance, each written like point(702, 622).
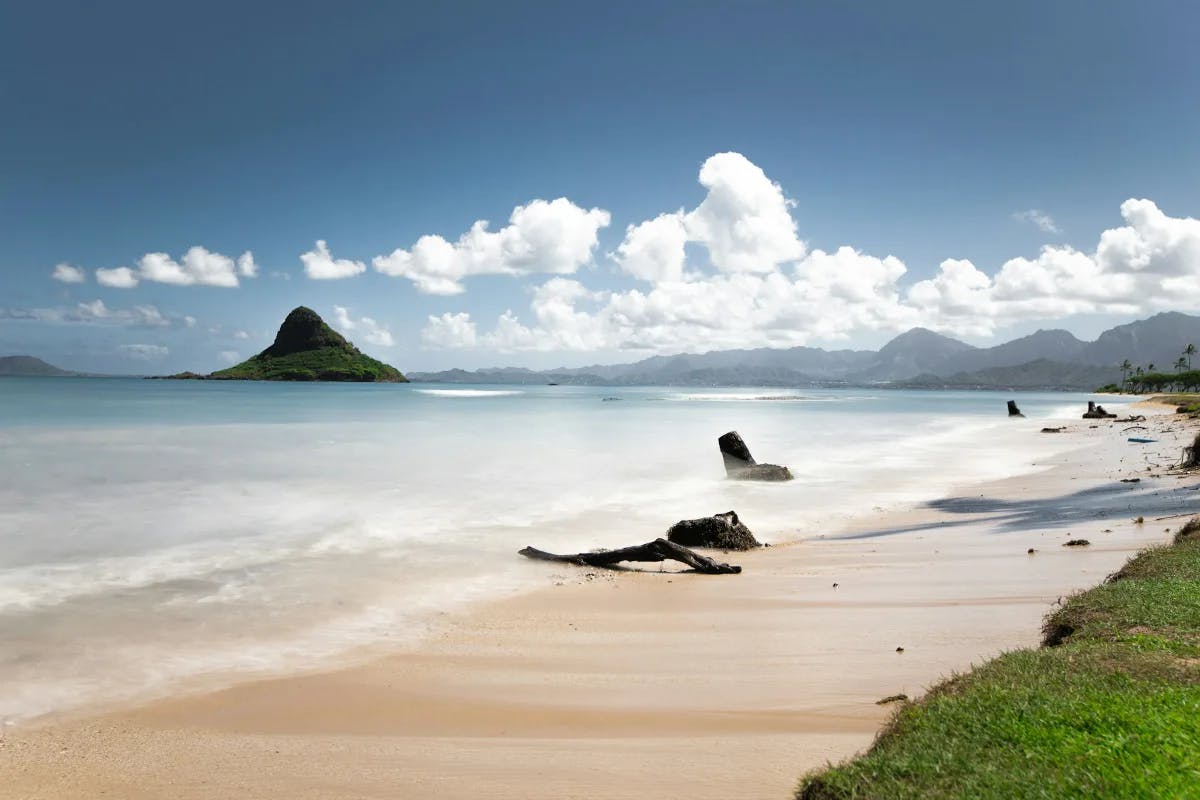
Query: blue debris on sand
point(1141, 441)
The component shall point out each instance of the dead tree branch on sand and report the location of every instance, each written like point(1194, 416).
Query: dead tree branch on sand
point(658, 550)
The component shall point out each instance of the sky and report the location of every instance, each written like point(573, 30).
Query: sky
point(470, 184)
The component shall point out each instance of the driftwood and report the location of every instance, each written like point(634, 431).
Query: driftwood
point(658, 550)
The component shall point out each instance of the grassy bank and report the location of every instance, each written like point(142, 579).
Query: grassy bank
point(1109, 706)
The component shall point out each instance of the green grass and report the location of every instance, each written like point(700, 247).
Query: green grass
point(1112, 711)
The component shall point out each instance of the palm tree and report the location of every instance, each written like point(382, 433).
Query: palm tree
point(1126, 368)
point(1189, 351)
point(1150, 367)
point(1181, 364)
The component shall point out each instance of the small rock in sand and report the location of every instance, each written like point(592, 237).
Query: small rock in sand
point(895, 698)
point(1076, 543)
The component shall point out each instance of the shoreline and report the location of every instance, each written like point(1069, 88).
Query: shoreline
point(694, 685)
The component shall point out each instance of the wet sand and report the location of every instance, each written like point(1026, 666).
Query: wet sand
point(649, 685)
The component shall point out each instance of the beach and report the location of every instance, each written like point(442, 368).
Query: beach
point(642, 684)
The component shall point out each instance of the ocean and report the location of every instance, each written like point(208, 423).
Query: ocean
point(159, 535)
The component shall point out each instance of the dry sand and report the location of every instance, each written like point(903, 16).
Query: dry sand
point(645, 685)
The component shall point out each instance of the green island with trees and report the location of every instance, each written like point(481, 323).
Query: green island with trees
point(306, 349)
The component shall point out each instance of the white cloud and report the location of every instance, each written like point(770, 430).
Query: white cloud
point(1041, 219)
point(246, 266)
point(199, 267)
point(654, 250)
point(65, 273)
point(1152, 263)
point(319, 264)
point(449, 331)
point(368, 329)
point(555, 237)
point(744, 220)
point(763, 289)
point(144, 352)
point(229, 356)
point(117, 277)
point(241, 335)
point(97, 312)
point(743, 223)
point(189, 321)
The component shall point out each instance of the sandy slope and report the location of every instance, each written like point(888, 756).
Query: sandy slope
point(648, 685)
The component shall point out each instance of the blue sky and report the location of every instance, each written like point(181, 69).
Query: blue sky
point(985, 149)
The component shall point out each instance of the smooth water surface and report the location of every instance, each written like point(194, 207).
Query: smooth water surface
point(155, 533)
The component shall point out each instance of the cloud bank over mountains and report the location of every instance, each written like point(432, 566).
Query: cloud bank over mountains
point(761, 286)
point(731, 272)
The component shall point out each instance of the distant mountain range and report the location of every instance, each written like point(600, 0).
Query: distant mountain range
point(29, 367)
point(919, 358)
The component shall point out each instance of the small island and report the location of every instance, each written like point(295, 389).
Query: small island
point(306, 349)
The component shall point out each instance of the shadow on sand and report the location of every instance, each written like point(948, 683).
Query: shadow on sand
point(1148, 499)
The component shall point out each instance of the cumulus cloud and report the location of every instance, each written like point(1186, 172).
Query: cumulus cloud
point(246, 266)
point(744, 224)
point(744, 221)
point(1041, 219)
point(320, 265)
point(1151, 263)
point(365, 328)
point(117, 277)
point(761, 287)
point(65, 273)
point(449, 330)
point(198, 267)
point(144, 352)
point(654, 250)
point(555, 237)
point(229, 356)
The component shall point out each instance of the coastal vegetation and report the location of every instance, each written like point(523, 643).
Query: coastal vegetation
point(1145, 380)
point(307, 349)
point(1109, 706)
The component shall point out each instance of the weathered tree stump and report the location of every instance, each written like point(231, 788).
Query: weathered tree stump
point(658, 550)
point(1097, 412)
point(722, 531)
point(740, 465)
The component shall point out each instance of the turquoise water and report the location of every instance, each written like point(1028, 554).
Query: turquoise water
point(162, 533)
